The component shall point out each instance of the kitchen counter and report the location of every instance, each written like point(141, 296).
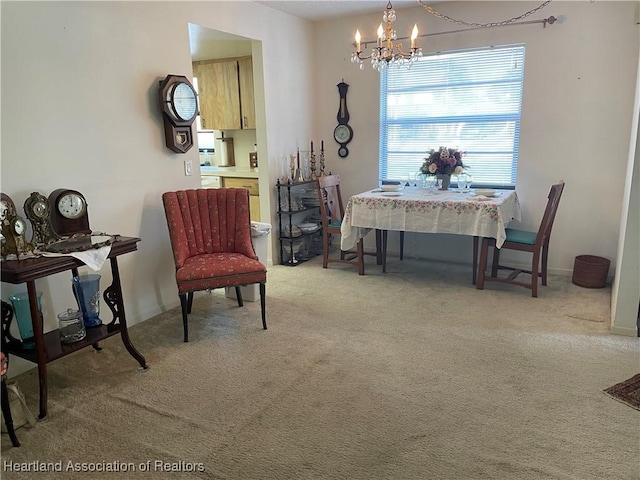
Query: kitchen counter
point(230, 172)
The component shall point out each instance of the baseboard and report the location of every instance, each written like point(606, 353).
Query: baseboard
point(624, 331)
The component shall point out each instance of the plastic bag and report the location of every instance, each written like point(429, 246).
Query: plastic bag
point(20, 413)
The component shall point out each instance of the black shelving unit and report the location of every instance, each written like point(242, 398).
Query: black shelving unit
point(286, 221)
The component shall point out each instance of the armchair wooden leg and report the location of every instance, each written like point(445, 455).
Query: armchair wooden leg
point(263, 307)
point(239, 297)
point(189, 302)
point(184, 304)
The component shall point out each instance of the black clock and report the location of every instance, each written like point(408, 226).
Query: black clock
point(69, 214)
point(343, 133)
point(179, 105)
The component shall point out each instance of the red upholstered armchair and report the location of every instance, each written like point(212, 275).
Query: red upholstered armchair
point(210, 231)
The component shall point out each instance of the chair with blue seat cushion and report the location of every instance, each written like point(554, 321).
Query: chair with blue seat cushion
point(536, 243)
point(210, 233)
point(332, 213)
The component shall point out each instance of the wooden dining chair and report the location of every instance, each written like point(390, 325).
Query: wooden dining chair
point(210, 232)
point(332, 213)
point(536, 243)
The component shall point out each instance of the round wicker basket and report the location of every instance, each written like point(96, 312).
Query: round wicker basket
point(590, 271)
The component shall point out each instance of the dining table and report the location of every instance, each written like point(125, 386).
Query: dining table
point(416, 209)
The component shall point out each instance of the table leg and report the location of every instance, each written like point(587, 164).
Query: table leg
point(378, 247)
point(384, 251)
point(113, 298)
point(41, 350)
point(475, 260)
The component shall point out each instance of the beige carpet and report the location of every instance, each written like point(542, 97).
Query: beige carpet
point(410, 375)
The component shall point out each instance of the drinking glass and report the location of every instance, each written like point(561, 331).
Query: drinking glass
point(462, 182)
point(430, 184)
point(413, 179)
point(467, 181)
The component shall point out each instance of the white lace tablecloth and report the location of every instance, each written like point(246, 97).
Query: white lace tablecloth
point(417, 210)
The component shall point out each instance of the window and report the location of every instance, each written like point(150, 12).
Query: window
point(469, 100)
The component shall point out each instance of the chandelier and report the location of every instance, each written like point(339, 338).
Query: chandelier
point(386, 52)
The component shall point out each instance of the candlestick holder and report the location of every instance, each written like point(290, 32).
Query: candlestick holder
point(298, 177)
point(322, 172)
point(312, 166)
point(292, 167)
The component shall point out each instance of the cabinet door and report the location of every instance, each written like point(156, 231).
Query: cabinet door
point(247, 100)
point(218, 92)
point(254, 206)
point(250, 184)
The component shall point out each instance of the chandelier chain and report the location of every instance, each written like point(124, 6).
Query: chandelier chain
point(442, 16)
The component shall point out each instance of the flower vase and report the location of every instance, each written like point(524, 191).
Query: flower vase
point(446, 180)
point(86, 289)
point(22, 310)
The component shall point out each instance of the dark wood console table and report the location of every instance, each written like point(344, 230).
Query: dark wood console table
point(48, 346)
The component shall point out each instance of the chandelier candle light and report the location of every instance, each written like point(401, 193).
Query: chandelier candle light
point(385, 52)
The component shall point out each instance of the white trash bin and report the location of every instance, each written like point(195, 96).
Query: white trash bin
point(259, 235)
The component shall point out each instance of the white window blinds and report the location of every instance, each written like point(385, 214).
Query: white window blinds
point(469, 100)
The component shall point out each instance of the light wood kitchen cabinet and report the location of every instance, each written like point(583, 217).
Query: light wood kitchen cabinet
point(225, 93)
point(250, 184)
point(247, 100)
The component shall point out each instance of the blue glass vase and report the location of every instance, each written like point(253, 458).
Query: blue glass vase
point(86, 289)
point(22, 311)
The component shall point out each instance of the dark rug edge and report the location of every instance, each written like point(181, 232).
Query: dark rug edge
point(627, 392)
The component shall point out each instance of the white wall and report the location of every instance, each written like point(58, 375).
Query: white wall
point(625, 294)
point(580, 76)
point(79, 110)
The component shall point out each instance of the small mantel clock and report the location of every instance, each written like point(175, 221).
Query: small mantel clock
point(69, 214)
point(38, 211)
point(13, 228)
point(179, 105)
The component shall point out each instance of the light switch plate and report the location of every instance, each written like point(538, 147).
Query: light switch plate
point(188, 170)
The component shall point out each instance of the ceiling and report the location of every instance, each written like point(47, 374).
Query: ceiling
point(324, 9)
point(204, 39)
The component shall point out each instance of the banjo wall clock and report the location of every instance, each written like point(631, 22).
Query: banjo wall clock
point(343, 133)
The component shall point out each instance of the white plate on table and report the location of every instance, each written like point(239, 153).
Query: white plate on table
point(392, 188)
point(485, 192)
point(391, 194)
